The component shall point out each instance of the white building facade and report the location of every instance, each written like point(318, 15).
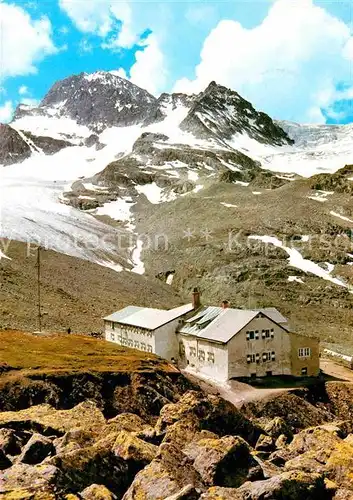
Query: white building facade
point(218, 343)
point(149, 330)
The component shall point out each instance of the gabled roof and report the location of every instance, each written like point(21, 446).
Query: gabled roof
point(274, 314)
point(145, 317)
point(123, 313)
point(220, 325)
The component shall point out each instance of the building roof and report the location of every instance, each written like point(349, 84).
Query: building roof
point(220, 325)
point(123, 313)
point(145, 317)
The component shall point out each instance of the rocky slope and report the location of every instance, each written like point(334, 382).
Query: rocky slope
point(193, 446)
point(204, 187)
point(75, 293)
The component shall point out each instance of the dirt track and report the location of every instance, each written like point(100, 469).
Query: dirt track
point(240, 393)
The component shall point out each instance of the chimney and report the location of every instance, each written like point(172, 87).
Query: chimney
point(225, 304)
point(196, 298)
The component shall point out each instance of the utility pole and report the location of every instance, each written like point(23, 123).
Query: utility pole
point(38, 289)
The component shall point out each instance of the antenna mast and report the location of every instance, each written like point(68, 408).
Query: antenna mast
point(38, 289)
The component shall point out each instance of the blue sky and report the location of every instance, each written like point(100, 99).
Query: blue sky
point(290, 58)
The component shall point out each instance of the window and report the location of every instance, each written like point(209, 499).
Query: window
point(112, 337)
point(113, 326)
point(149, 348)
point(252, 335)
point(272, 333)
point(130, 343)
point(268, 356)
point(210, 357)
point(181, 349)
point(201, 355)
point(193, 351)
point(304, 371)
point(304, 352)
point(266, 334)
point(251, 358)
point(143, 346)
point(137, 344)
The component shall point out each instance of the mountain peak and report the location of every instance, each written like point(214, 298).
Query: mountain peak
point(99, 100)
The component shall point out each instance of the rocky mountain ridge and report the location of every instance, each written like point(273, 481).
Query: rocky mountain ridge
point(130, 167)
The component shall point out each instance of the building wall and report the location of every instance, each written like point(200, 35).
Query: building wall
point(311, 362)
point(129, 336)
point(206, 358)
point(161, 341)
point(240, 347)
point(166, 342)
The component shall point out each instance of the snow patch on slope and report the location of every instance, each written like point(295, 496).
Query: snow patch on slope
point(296, 260)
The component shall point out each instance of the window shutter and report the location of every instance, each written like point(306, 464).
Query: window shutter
point(264, 357)
point(257, 335)
point(272, 334)
point(273, 356)
point(249, 359)
point(263, 334)
point(247, 336)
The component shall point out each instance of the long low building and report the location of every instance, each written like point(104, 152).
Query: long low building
point(219, 343)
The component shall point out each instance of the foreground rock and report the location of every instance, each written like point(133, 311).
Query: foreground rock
point(287, 486)
point(36, 450)
point(221, 462)
point(48, 421)
point(213, 414)
point(165, 476)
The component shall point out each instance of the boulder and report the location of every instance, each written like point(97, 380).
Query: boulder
point(308, 461)
point(131, 448)
point(281, 441)
point(340, 396)
point(297, 413)
point(317, 440)
point(48, 421)
point(5, 462)
point(93, 464)
point(33, 494)
point(276, 427)
point(186, 493)
point(343, 494)
point(265, 443)
point(186, 430)
point(339, 466)
point(214, 414)
point(221, 462)
point(128, 422)
point(10, 442)
point(165, 476)
point(75, 439)
point(36, 450)
point(44, 477)
point(97, 492)
point(293, 485)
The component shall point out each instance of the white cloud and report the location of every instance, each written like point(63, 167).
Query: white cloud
point(25, 41)
point(23, 90)
point(289, 65)
point(6, 112)
point(100, 17)
point(149, 70)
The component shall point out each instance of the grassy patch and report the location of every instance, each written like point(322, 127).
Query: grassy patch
point(33, 354)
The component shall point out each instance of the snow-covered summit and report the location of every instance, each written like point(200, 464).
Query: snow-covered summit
point(97, 100)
